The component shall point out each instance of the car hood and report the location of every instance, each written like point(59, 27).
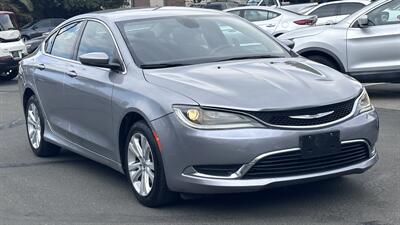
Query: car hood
point(304, 32)
point(266, 84)
point(10, 35)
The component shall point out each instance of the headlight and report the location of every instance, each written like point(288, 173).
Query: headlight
point(196, 117)
point(364, 103)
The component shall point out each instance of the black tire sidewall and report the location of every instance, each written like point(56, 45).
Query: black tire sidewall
point(159, 177)
point(33, 100)
point(12, 75)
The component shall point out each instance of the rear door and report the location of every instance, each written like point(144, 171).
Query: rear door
point(327, 14)
point(265, 19)
point(88, 93)
point(50, 75)
point(376, 48)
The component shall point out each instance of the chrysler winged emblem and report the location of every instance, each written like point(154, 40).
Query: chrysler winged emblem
point(310, 117)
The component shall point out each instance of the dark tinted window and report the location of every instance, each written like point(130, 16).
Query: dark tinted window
point(96, 38)
point(272, 15)
point(349, 8)
point(7, 22)
point(42, 24)
point(267, 3)
point(65, 40)
point(325, 11)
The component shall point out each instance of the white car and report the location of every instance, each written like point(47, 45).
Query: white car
point(11, 46)
point(275, 21)
point(333, 12)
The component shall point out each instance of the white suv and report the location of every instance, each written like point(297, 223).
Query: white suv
point(365, 45)
point(12, 48)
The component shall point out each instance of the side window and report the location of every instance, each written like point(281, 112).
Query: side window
point(386, 14)
point(42, 24)
point(49, 43)
point(65, 40)
point(236, 12)
point(349, 8)
point(325, 11)
point(253, 15)
point(96, 38)
point(272, 15)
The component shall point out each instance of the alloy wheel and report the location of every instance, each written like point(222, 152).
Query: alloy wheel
point(34, 127)
point(141, 164)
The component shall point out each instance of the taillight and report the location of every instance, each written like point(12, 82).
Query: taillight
point(310, 21)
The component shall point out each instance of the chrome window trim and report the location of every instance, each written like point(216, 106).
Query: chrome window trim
point(75, 61)
point(246, 167)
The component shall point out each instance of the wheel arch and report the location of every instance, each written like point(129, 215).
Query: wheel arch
point(323, 52)
point(27, 94)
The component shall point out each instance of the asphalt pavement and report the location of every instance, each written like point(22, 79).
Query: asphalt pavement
point(69, 189)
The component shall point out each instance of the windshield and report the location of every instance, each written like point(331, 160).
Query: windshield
point(187, 40)
point(7, 22)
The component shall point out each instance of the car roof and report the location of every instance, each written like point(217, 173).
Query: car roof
point(366, 2)
point(6, 12)
point(273, 9)
point(143, 13)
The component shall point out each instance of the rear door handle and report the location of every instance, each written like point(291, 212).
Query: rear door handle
point(270, 25)
point(41, 66)
point(72, 73)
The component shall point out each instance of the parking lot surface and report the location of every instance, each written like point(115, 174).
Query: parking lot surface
point(70, 189)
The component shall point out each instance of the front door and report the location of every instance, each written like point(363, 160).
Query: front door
point(376, 48)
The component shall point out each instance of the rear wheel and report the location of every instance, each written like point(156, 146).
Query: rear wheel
point(144, 168)
point(35, 130)
point(8, 75)
point(324, 60)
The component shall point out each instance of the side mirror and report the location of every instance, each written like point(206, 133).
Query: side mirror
point(363, 21)
point(289, 43)
point(99, 59)
point(34, 27)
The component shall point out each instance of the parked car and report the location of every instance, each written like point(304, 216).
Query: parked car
point(11, 47)
point(221, 5)
point(173, 100)
point(36, 29)
point(333, 12)
point(34, 43)
point(363, 45)
point(275, 21)
point(278, 4)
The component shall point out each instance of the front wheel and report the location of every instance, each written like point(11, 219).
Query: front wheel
point(144, 168)
point(8, 75)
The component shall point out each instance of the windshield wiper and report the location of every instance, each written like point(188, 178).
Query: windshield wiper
point(249, 57)
point(162, 65)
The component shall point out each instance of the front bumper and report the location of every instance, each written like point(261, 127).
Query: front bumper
point(183, 147)
point(8, 63)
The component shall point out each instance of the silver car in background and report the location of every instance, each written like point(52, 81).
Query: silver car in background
point(365, 45)
point(333, 12)
point(193, 101)
point(275, 21)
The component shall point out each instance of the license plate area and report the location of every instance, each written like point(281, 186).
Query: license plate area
point(320, 144)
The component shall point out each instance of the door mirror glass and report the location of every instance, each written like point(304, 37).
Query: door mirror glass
point(99, 59)
point(363, 21)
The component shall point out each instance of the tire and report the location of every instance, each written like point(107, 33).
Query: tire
point(324, 60)
point(39, 146)
point(7, 76)
point(156, 193)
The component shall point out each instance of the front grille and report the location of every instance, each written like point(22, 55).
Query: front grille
point(217, 170)
point(293, 163)
point(283, 118)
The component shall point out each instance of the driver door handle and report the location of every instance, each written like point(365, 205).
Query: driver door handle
point(270, 25)
point(41, 66)
point(72, 73)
